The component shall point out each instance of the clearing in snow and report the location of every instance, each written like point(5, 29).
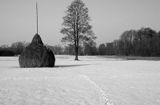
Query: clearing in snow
point(94, 80)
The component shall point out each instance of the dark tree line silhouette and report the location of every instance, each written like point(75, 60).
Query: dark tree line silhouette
point(85, 49)
point(13, 50)
point(142, 42)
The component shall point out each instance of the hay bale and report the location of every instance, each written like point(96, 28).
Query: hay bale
point(37, 55)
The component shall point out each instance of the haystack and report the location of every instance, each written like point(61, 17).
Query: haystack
point(37, 54)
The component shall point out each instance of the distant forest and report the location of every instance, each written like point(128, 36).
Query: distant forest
point(142, 42)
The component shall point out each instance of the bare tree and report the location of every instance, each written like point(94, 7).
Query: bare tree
point(76, 25)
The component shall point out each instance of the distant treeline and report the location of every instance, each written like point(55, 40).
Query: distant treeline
point(17, 48)
point(86, 49)
point(13, 50)
point(142, 42)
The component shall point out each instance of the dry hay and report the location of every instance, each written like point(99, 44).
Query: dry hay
point(37, 55)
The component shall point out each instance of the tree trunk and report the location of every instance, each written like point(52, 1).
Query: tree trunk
point(77, 40)
point(76, 49)
point(76, 53)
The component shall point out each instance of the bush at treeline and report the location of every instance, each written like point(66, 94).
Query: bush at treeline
point(6, 52)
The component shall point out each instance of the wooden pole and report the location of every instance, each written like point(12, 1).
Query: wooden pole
point(37, 15)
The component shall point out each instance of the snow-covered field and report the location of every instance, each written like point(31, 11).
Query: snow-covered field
point(90, 81)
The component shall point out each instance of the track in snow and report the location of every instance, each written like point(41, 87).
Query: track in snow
point(104, 98)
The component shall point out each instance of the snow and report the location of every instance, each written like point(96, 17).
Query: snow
point(94, 80)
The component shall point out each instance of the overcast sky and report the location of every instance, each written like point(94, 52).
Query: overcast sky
point(109, 18)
